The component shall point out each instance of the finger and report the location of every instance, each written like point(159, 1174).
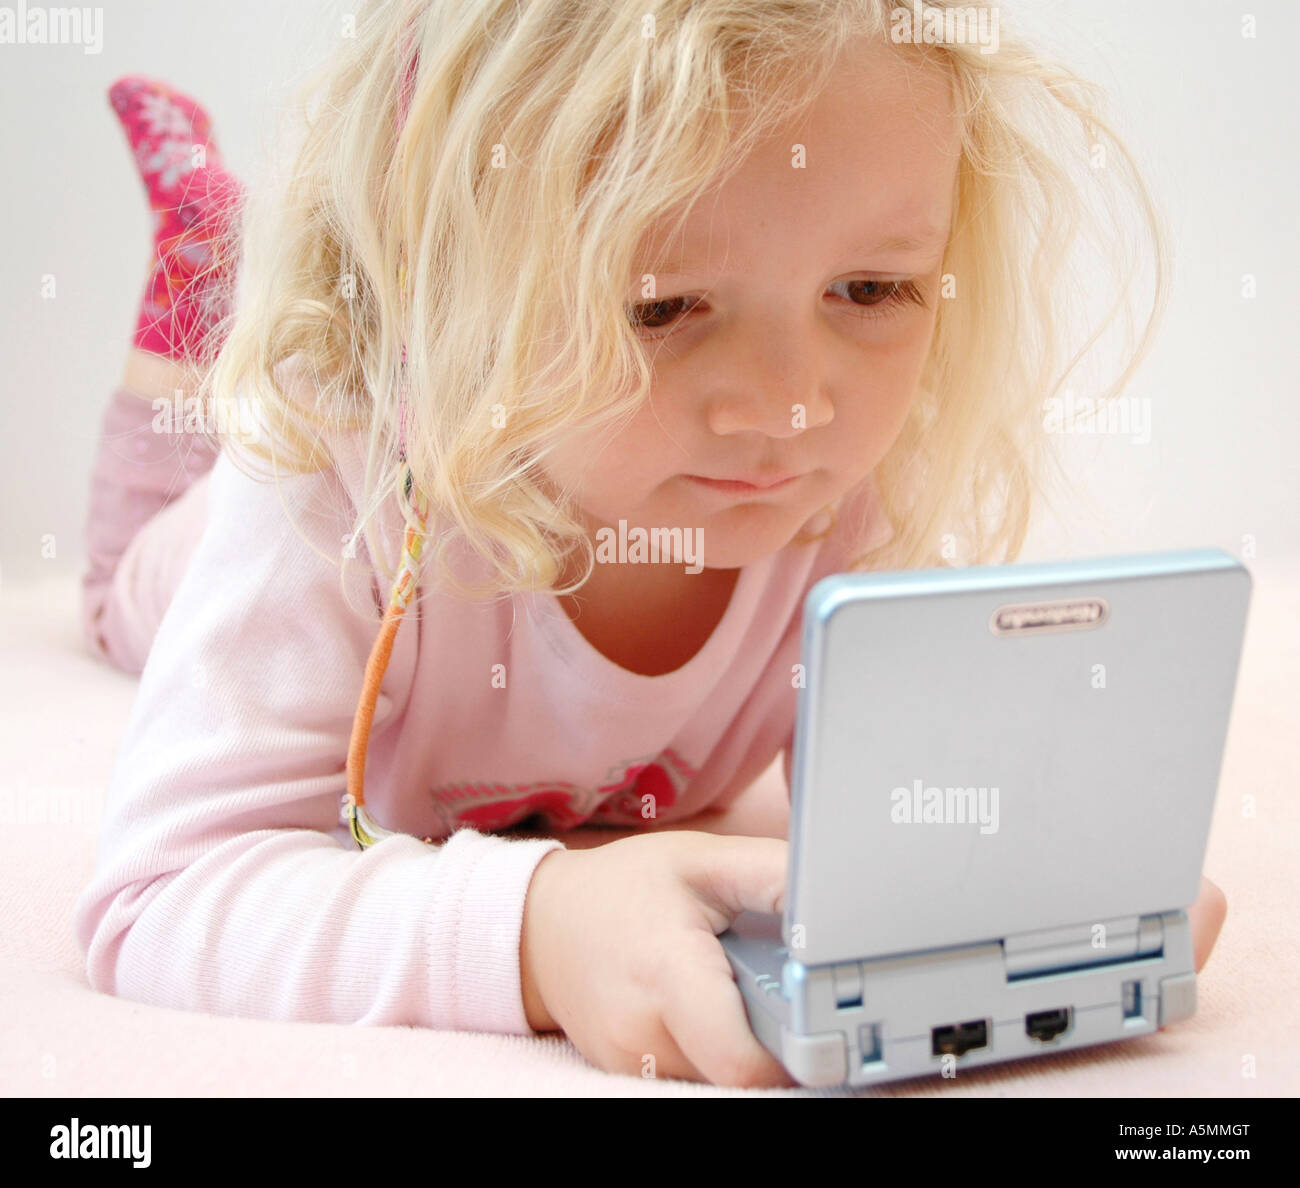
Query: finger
point(639, 1044)
point(1207, 915)
point(731, 875)
point(661, 1056)
point(705, 1015)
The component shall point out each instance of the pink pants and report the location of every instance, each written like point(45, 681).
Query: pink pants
point(148, 505)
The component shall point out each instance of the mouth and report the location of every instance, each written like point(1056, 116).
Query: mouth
point(753, 486)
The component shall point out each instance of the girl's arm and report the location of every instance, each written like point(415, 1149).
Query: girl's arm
point(225, 881)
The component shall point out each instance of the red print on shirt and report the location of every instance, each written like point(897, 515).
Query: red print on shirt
point(640, 790)
point(645, 789)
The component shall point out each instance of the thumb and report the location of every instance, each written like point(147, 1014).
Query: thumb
point(735, 874)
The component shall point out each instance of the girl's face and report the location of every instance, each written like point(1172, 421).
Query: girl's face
point(790, 322)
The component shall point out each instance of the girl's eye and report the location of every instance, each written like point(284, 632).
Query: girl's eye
point(648, 315)
point(889, 294)
point(865, 295)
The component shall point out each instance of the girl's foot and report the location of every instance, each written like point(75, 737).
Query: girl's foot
point(196, 205)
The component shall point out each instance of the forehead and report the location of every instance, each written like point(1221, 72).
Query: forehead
point(868, 167)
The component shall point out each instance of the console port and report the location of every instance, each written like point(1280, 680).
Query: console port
point(1047, 1025)
point(869, 1044)
point(959, 1038)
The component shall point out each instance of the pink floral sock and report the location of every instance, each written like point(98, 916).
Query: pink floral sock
point(196, 205)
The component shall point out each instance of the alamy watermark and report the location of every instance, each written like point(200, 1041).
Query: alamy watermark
point(650, 546)
point(1125, 416)
point(24, 25)
point(190, 414)
point(929, 24)
point(104, 1141)
point(51, 806)
point(919, 805)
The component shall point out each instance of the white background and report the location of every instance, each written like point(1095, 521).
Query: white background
point(1210, 115)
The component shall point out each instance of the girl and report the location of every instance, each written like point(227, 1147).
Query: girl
point(546, 282)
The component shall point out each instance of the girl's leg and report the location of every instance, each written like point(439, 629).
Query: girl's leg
point(141, 524)
point(142, 521)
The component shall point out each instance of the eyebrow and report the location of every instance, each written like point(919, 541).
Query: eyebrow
point(900, 242)
point(908, 243)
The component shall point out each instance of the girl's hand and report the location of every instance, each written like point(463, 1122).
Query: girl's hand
point(619, 949)
point(1206, 917)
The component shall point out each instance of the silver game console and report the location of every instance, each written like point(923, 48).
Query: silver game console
point(1001, 791)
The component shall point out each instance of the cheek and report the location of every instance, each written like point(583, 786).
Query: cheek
point(900, 355)
point(878, 404)
point(608, 466)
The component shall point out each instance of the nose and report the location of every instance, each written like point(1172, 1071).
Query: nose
point(771, 382)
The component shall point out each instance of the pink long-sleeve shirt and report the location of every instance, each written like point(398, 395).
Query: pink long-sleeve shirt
point(226, 880)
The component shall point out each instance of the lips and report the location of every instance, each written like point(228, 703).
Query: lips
point(752, 483)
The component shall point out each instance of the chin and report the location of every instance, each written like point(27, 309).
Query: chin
point(734, 545)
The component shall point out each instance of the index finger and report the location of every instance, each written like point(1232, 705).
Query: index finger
point(737, 874)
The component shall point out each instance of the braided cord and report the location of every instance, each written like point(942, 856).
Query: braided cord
point(365, 830)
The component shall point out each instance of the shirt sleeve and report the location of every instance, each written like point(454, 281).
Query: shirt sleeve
point(225, 881)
